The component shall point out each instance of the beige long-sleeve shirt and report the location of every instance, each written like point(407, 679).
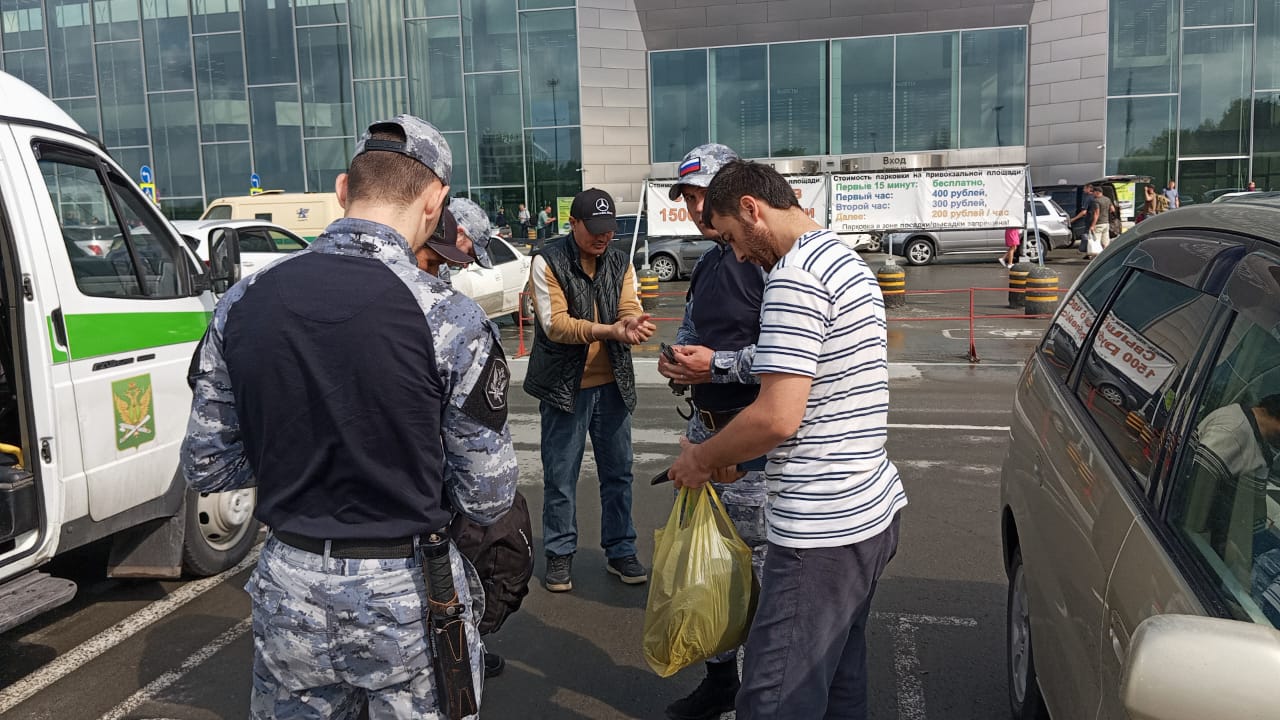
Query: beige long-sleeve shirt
point(552, 310)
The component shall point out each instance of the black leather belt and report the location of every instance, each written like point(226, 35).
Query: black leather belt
point(715, 420)
point(393, 549)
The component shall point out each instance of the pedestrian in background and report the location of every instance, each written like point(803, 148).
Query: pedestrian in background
point(1171, 194)
point(1012, 239)
point(522, 215)
point(1081, 221)
point(393, 388)
point(1100, 222)
point(500, 221)
point(580, 370)
point(714, 348)
point(822, 417)
point(544, 219)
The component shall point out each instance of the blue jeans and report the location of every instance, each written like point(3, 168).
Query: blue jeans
point(601, 412)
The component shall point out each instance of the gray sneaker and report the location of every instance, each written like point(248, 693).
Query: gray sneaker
point(559, 577)
point(629, 570)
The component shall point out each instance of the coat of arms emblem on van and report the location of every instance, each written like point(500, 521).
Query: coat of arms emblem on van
point(135, 421)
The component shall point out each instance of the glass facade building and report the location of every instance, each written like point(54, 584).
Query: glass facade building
point(1193, 93)
point(880, 94)
point(207, 92)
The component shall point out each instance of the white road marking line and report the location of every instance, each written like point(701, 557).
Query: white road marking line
point(157, 686)
point(906, 658)
point(86, 651)
point(967, 428)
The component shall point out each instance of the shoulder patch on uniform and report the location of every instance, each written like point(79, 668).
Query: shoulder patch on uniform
point(487, 402)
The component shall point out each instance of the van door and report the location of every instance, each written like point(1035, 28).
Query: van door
point(131, 319)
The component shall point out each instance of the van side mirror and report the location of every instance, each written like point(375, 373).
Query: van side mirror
point(1184, 667)
point(224, 260)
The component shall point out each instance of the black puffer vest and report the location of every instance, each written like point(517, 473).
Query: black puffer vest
point(555, 369)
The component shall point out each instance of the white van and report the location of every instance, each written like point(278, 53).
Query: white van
point(94, 350)
point(305, 214)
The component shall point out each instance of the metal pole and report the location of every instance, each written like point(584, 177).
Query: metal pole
point(635, 232)
point(1030, 202)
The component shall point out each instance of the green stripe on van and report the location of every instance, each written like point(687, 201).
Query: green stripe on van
point(110, 333)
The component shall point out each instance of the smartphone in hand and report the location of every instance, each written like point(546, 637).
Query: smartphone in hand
point(668, 353)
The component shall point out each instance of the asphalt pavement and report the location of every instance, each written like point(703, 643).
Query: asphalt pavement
point(137, 649)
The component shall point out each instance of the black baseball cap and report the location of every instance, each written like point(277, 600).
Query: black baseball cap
point(445, 240)
point(595, 209)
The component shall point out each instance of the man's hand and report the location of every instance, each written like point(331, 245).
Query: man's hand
point(695, 362)
point(668, 369)
point(632, 331)
point(726, 475)
point(688, 470)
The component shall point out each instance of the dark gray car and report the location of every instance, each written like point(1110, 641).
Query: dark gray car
point(673, 258)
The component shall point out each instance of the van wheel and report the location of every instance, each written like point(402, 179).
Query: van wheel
point(1025, 700)
point(919, 251)
point(221, 529)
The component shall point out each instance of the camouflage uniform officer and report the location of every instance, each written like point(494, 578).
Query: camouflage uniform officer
point(367, 402)
point(714, 348)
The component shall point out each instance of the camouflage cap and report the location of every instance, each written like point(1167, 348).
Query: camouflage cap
point(473, 220)
point(423, 142)
point(701, 164)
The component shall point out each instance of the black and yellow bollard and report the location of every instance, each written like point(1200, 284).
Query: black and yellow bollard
point(893, 284)
point(648, 283)
point(1042, 291)
point(1018, 283)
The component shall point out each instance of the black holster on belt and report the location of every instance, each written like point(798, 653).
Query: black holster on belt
point(447, 630)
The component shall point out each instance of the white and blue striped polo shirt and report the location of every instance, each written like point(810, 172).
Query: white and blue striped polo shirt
point(831, 483)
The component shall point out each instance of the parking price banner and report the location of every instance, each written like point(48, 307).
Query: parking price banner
point(670, 218)
point(935, 199)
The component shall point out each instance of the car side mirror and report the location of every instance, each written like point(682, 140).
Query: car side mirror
point(1184, 667)
point(224, 260)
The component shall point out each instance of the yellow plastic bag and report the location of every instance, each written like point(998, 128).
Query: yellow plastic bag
point(702, 593)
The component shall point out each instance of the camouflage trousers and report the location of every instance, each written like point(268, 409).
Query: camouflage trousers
point(330, 635)
point(744, 501)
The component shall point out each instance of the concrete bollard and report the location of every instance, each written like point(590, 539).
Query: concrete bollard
point(893, 284)
point(1042, 291)
point(648, 283)
point(1017, 282)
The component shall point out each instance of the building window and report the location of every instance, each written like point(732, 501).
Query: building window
point(435, 72)
point(495, 135)
point(550, 45)
point(175, 144)
point(277, 137)
point(29, 66)
point(124, 104)
point(166, 43)
point(21, 25)
point(71, 50)
point(554, 162)
point(1144, 47)
point(1198, 13)
point(677, 102)
point(1140, 139)
point(925, 92)
point(327, 106)
point(268, 43)
point(220, 86)
point(1216, 77)
point(798, 99)
point(993, 87)
point(739, 107)
point(862, 99)
point(1266, 139)
point(378, 100)
point(326, 160)
point(320, 12)
point(489, 42)
point(208, 16)
point(377, 45)
point(226, 169)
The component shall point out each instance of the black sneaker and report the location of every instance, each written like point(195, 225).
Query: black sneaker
point(493, 665)
point(629, 570)
point(712, 698)
point(559, 577)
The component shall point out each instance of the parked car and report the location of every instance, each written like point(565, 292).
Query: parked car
point(673, 258)
point(1140, 525)
point(922, 247)
point(496, 290)
point(261, 243)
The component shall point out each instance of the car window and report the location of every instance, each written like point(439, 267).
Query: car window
point(218, 212)
point(501, 253)
point(1225, 498)
point(254, 240)
point(1129, 379)
point(284, 242)
point(130, 252)
point(1043, 209)
point(1067, 333)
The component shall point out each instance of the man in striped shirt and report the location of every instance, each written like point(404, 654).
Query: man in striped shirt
point(822, 417)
